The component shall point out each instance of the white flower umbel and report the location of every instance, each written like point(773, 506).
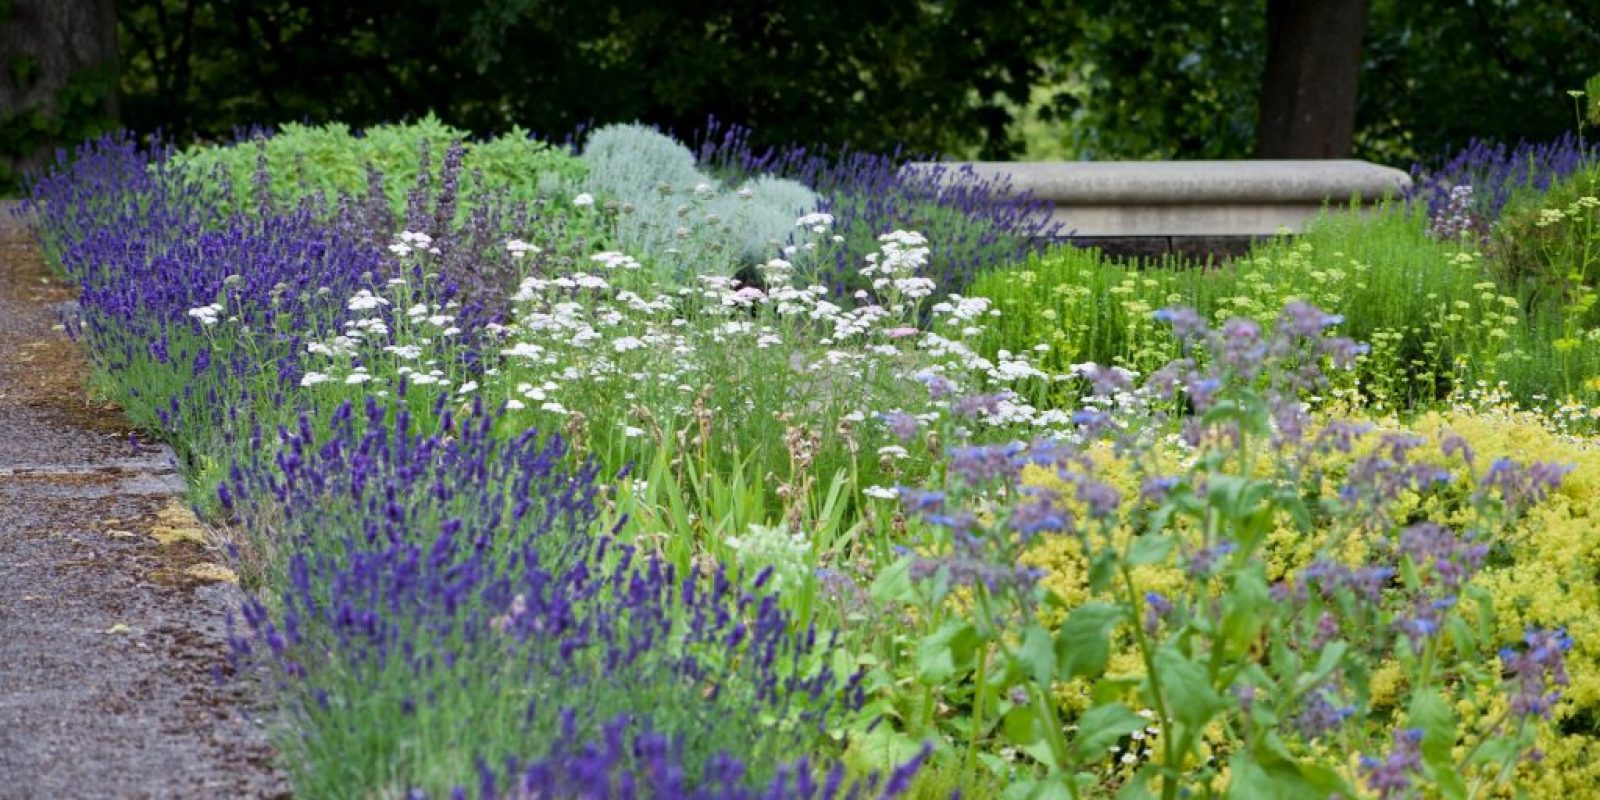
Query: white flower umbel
point(365, 300)
point(610, 348)
point(518, 248)
point(207, 314)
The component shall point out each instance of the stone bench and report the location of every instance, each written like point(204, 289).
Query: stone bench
point(1197, 208)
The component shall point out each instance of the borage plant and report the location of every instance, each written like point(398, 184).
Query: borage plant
point(1192, 657)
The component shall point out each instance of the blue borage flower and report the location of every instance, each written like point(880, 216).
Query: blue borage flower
point(1392, 775)
point(1537, 667)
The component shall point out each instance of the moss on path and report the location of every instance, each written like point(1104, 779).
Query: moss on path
point(112, 597)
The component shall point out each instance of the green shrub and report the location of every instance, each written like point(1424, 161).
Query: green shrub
point(1547, 244)
point(325, 161)
point(1431, 311)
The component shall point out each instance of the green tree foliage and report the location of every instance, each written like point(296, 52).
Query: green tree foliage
point(1439, 72)
point(1182, 79)
point(872, 73)
point(1108, 78)
point(1149, 81)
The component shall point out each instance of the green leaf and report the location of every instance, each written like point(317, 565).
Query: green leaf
point(1449, 783)
point(997, 766)
point(1245, 609)
point(1315, 780)
point(1108, 689)
point(1083, 644)
point(1160, 519)
point(947, 651)
point(1037, 656)
point(1022, 726)
point(1223, 492)
point(1188, 690)
point(1290, 501)
point(1328, 661)
point(1277, 779)
point(1052, 787)
point(1138, 787)
point(1498, 750)
point(1101, 727)
point(1434, 716)
point(886, 748)
point(1461, 634)
point(893, 584)
point(1102, 568)
point(1148, 549)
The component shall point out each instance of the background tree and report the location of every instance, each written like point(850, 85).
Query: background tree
point(1309, 82)
point(871, 73)
point(1092, 78)
point(1186, 79)
point(58, 77)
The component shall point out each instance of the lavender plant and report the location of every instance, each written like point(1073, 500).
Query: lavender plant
point(446, 603)
point(606, 768)
point(1493, 174)
point(1245, 680)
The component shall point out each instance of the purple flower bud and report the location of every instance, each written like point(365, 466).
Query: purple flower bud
point(1186, 322)
point(1157, 608)
point(902, 426)
point(1391, 777)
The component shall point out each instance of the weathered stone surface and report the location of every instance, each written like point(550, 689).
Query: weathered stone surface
point(1194, 198)
point(1152, 249)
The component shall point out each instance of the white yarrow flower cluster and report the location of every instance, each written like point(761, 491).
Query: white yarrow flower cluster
point(409, 242)
point(519, 249)
point(377, 346)
point(580, 342)
point(208, 315)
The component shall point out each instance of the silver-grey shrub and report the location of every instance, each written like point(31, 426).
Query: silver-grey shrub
point(681, 220)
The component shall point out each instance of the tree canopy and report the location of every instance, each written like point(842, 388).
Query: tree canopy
point(1095, 78)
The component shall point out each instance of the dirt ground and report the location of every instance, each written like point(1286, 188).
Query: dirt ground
point(112, 598)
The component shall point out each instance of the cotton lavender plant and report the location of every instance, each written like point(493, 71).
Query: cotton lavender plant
point(681, 221)
point(1251, 672)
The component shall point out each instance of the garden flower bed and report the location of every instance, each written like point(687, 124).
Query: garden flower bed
point(637, 470)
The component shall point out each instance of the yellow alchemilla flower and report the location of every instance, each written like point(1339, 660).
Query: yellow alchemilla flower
point(1385, 687)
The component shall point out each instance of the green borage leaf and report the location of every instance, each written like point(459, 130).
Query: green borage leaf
point(1083, 644)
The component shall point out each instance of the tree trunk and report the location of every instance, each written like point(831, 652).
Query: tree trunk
point(1308, 94)
point(58, 76)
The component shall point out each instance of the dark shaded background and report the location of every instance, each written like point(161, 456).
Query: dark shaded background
point(1112, 78)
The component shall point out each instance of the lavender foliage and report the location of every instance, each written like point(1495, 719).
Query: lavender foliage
point(419, 559)
point(1494, 172)
point(621, 763)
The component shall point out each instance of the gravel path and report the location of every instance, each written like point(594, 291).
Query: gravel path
point(112, 599)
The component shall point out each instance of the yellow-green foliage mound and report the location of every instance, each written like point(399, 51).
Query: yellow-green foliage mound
point(1540, 573)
